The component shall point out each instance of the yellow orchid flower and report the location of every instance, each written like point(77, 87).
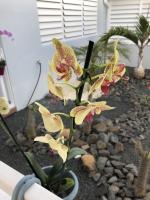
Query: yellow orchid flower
point(54, 88)
point(4, 106)
point(52, 123)
point(118, 72)
point(112, 74)
point(56, 145)
point(64, 61)
point(87, 112)
point(97, 84)
point(110, 77)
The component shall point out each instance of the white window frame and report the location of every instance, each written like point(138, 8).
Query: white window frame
point(84, 13)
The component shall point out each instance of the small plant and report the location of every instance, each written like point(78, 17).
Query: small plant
point(2, 64)
point(139, 36)
point(100, 55)
point(58, 137)
point(2, 60)
point(141, 182)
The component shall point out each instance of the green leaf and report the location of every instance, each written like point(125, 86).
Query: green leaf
point(75, 151)
point(66, 184)
point(120, 31)
point(39, 172)
point(56, 170)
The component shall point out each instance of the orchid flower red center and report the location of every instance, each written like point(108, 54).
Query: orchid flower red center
point(89, 117)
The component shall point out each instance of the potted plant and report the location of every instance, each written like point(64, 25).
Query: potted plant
point(2, 60)
point(139, 36)
point(58, 178)
point(2, 66)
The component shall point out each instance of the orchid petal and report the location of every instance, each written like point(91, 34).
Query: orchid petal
point(52, 123)
point(64, 61)
point(54, 89)
point(54, 145)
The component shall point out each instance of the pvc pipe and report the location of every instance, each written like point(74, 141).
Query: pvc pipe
point(106, 3)
point(4, 195)
point(10, 177)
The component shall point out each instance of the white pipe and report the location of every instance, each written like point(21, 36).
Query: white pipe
point(4, 195)
point(10, 177)
point(106, 3)
point(4, 93)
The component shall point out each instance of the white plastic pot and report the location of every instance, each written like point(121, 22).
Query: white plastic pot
point(75, 189)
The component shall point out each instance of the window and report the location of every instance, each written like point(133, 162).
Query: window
point(125, 13)
point(66, 18)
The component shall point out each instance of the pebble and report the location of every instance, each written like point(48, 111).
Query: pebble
point(85, 147)
point(101, 145)
point(114, 189)
point(103, 198)
point(103, 189)
point(115, 129)
point(93, 151)
point(108, 163)
point(113, 179)
point(100, 127)
point(115, 157)
point(79, 143)
point(109, 170)
point(119, 147)
point(21, 138)
point(114, 139)
point(130, 177)
point(117, 164)
point(96, 177)
point(111, 195)
point(104, 153)
point(101, 161)
point(132, 168)
point(119, 173)
point(109, 122)
point(103, 137)
point(92, 138)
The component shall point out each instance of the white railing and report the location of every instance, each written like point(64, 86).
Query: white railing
point(10, 177)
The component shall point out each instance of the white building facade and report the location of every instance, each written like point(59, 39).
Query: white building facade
point(34, 23)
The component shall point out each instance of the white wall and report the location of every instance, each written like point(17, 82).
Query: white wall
point(20, 17)
point(133, 54)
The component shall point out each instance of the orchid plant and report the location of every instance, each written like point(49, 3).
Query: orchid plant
point(64, 65)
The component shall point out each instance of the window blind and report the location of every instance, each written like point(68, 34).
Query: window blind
point(90, 17)
point(66, 19)
point(125, 13)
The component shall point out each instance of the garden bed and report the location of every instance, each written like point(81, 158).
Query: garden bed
point(110, 141)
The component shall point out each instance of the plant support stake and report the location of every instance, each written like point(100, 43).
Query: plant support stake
point(86, 65)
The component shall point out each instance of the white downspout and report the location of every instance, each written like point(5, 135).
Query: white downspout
point(107, 5)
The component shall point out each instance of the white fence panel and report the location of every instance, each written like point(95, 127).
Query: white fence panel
point(10, 177)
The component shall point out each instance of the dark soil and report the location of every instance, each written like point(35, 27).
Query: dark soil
point(123, 97)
